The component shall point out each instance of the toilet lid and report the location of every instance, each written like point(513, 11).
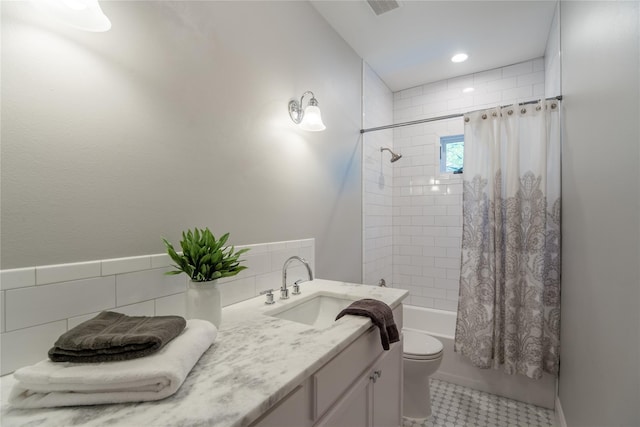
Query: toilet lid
point(418, 343)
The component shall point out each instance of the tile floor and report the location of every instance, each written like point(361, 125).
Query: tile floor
point(453, 405)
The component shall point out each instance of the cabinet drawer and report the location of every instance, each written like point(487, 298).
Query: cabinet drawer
point(331, 381)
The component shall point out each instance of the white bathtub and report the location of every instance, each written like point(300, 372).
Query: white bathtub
point(457, 369)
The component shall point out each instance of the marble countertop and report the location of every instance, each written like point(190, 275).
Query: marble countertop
point(256, 360)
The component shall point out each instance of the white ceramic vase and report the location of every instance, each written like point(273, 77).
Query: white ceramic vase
point(203, 301)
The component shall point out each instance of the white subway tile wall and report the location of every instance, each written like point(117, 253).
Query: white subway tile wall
point(65, 272)
point(17, 278)
point(427, 204)
point(148, 284)
point(32, 316)
point(125, 265)
point(37, 305)
point(377, 181)
point(24, 347)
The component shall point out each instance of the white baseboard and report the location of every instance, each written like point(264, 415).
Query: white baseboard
point(559, 414)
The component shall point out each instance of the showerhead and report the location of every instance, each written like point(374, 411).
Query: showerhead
point(394, 157)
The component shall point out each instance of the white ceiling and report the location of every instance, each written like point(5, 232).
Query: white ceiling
point(413, 44)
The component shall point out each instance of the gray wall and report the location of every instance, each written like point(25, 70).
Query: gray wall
point(177, 118)
point(600, 355)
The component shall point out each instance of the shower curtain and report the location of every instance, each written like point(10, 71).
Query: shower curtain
point(509, 303)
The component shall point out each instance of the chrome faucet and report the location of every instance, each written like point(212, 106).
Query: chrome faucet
point(284, 292)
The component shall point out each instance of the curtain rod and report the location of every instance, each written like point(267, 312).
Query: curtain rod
point(450, 116)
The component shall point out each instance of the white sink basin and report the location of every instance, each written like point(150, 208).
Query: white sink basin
point(318, 311)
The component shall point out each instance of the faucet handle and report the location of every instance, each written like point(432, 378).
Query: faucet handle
point(296, 287)
point(269, 293)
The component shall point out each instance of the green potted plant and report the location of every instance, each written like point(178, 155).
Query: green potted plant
point(205, 259)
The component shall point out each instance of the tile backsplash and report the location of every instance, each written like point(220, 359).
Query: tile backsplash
point(38, 304)
point(427, 204)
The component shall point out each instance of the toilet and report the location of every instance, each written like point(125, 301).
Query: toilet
point(421, 359)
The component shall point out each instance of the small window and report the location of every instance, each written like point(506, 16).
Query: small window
point(451, 153)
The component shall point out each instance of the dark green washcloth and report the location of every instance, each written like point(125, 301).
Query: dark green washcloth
point(113, 336)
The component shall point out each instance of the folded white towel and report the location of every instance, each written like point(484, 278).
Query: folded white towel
point(50, 384)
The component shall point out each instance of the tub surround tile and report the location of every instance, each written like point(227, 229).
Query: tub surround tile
point(452, 295)
point(487, 76)
point(426, 202)
point(500, 85)
point(524, 93)
point(517, 69)
point(17, 278)
point(125, 265)
point(531, 79)
point(34, 343)
point(67, 272)
point(255, 361)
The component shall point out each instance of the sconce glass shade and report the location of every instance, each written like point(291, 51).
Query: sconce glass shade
point(312, 120)
point(308, 118)
point(81, 14)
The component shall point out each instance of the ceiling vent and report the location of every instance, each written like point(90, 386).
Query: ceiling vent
point(383, 6)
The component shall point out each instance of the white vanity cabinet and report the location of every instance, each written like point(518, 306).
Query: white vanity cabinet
point(359, 387)
point(318, 376)
point(375, 400)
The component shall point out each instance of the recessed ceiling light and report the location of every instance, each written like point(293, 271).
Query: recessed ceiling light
point(459, 57)
point(467, 90)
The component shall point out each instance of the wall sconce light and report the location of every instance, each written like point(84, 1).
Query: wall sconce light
point(308, 118)
point(81, 14)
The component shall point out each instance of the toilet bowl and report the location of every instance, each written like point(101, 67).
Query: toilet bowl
point(421, 358)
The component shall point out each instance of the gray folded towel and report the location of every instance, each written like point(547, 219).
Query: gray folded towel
point(113, 336)
point(381, 316)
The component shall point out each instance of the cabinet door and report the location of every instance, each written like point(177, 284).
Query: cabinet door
point(354, 410)
point(293, 410)
point(387, 389)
